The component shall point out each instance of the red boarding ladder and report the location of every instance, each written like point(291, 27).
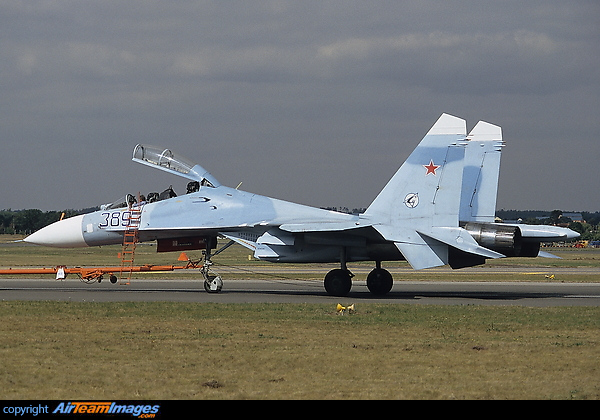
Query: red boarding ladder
point(130, 240)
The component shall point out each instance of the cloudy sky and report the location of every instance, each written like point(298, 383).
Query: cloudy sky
point(316, 102)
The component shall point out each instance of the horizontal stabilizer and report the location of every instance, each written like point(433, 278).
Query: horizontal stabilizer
point(426, 255)
point(545, 254)
point(419, 250)
point(425, 249)
point(462, 240)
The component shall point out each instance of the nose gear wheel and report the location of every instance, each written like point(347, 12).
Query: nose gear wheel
point(212, 281)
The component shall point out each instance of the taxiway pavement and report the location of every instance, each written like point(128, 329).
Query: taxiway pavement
point(306, 291)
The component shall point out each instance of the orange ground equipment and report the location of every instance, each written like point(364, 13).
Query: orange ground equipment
point(96, 274)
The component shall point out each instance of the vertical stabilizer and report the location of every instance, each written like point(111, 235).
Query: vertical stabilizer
point(481, 172)
point(425, 191)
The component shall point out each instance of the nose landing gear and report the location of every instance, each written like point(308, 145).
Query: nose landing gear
point(212, 281)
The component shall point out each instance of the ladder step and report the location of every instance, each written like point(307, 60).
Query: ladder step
point(130, 239)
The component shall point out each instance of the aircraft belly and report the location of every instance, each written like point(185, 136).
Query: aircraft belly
point(382, 252)
point(310, 253)
point(293, 254)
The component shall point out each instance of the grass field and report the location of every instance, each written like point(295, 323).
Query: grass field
point(66, 350)
point(62, 350)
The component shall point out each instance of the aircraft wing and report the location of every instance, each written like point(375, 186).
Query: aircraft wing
point(324, 226)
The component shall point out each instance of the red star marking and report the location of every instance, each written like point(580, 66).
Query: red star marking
point(431, 168)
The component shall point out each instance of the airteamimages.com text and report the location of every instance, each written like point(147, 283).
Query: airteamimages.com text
point(89, 407)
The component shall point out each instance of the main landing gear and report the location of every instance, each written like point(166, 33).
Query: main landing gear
point(338, 282)
point(379, 281)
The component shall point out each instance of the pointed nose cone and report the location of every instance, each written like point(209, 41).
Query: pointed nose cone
point(67, 233)
point(571, 234)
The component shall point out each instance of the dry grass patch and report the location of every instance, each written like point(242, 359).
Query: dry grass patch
point(60, 350)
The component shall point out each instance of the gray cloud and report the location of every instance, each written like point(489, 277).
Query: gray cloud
point(314, 102)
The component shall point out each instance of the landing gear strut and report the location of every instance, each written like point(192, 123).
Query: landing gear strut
point(338, 282)
point(212, 281)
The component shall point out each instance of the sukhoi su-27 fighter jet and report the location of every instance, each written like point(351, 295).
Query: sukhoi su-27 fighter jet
point(438, 209)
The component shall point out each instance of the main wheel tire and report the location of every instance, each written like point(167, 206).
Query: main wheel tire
point(338, 282)
point(379, 281)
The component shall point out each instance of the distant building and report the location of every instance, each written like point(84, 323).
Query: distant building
point(576, 217)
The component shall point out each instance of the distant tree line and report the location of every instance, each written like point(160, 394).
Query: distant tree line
point(346, 210)
point(24, 222)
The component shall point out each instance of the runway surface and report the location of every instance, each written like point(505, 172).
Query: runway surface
point(306, 291)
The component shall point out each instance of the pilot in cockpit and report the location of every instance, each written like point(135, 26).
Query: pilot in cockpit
point(192, 187)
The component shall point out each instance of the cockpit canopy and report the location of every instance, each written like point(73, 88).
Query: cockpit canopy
point(166, 160)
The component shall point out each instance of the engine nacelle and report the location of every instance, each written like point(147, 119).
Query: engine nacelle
point(506, 240)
